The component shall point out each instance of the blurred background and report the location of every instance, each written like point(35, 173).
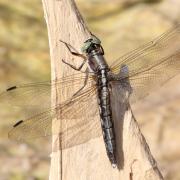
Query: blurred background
point(122, 25)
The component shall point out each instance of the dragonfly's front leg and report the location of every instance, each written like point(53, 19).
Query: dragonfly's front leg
point(74, 54)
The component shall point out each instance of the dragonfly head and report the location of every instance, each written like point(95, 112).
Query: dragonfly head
point(91, 44)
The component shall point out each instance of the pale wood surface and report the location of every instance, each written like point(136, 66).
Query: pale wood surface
point(89, 160)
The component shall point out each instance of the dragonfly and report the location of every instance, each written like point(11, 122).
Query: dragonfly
point(87, 113)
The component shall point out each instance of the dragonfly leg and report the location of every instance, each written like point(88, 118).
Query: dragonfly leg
point(85, 83)
point(72, 52)
point(74, 67)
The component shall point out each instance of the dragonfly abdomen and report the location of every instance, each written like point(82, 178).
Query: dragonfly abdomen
point(106, 115)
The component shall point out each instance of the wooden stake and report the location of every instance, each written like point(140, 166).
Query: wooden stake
point(89, 160)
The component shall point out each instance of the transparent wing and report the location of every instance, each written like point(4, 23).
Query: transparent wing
point(38, 95)
point(152, 64)
point(155, 77)
point(77, 121)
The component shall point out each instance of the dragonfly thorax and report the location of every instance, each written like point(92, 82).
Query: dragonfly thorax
point(97, 62)
point(95, 54)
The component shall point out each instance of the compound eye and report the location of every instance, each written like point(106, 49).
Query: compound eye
point(86, 46)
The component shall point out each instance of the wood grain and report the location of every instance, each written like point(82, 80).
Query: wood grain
point(89, 161)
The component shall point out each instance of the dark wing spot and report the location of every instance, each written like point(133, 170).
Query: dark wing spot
point(11, 88)
point(18, 123)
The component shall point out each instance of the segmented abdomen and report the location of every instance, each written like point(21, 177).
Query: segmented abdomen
point(106, 115)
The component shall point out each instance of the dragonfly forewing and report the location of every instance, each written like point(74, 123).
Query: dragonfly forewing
point(151, 65)
point(150, 54)
point(37, 97)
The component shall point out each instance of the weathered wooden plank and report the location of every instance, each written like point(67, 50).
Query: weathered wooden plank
point(89, 160)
